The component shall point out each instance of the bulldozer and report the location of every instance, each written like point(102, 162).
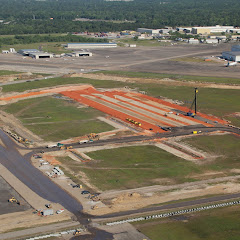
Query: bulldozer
point(13, 199)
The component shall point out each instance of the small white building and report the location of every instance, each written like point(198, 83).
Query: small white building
point(193, 41)
point(235, 48)
point(232, 56)
point(213, 41)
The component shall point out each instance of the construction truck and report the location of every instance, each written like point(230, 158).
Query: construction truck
point(13, 199)
point(70, 147)
point(60, 145)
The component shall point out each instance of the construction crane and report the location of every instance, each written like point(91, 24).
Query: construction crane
point(194, 103)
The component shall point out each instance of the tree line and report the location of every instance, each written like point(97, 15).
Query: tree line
point(45, 38)
point(56, 16)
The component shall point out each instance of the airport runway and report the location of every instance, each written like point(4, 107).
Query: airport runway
point(140, 59)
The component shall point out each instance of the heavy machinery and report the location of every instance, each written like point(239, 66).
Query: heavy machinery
point(194, 103)
point(94, 207)
point(77, 232)
point(13, 199)
point(92, 136)
point(70, 147)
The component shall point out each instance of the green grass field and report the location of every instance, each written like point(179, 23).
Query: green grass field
point(142, 42)
point(225, 147)
point(56, 119)
point(53, 47)
point(172, 76)
point(6, 72)
point(137, 166)
point(217, 224)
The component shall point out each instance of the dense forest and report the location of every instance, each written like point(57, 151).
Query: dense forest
point(56, 16)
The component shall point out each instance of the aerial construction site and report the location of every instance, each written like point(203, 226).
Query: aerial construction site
point(81, 152)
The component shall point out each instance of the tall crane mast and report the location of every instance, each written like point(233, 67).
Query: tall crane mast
point(194, 103)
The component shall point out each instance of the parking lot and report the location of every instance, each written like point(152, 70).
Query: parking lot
point(7, 192)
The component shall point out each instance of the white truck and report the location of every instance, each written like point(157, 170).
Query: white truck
point(83, 141)
point(51, 145)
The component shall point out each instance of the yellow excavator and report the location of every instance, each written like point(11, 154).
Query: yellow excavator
point(13, 199)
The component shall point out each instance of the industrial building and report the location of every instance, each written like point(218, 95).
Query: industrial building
point(232, 56)
point(34, 53)
point(148, 31)
point(82, 53)
point(211, 29)
point(90, 45)
point(26, 52)
point(38, 55)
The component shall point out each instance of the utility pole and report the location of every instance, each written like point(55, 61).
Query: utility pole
point(195, 100)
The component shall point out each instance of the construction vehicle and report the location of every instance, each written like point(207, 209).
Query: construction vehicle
point(94, 207)
point(60, 145)
point(13, 199)
point(49, 205)
point(77, 232)
point(194, 103)
point(95, 197)
point(69, 147)
point(92, 136)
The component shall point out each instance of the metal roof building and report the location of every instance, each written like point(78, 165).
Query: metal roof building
point(38, 55)
point(26, 52)
point(232, 56)
point(90, 45)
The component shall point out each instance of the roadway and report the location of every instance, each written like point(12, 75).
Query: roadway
point(175, 132)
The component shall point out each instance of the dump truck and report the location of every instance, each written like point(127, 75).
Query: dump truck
point(60, 145)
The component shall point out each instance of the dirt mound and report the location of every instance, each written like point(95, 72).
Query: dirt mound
point(126, 197)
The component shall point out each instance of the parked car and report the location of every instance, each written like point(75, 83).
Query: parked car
point(59, 211)
point(85, 192)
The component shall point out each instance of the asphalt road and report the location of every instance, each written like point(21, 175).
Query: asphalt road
point(179, 131)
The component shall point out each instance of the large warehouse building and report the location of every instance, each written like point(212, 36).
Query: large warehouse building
point(148, 31)
point(232, 56)
point(90, 45)
point(211, 29)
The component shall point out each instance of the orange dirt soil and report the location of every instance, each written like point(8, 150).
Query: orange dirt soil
point(148, 111)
